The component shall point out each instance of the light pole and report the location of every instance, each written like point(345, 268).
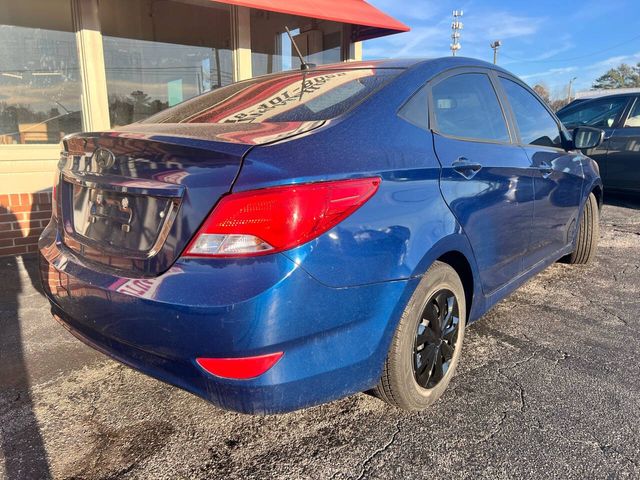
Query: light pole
point(456, 26)
point(495, 45)
point(569, 93)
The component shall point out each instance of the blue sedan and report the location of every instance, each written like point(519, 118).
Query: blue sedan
point(298, 237)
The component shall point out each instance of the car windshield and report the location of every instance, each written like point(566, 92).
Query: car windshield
point(299, 96)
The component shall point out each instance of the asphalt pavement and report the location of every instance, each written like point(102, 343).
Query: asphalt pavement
point(548, 387)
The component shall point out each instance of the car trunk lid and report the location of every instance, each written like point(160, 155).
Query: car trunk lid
point(132, 199)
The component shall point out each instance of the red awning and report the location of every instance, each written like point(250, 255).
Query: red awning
point(370, 21)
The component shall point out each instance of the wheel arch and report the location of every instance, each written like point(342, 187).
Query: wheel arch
point(455, 251)
point(459, 262)
point(597, 191)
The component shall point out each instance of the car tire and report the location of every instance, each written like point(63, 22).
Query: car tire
point(403, 379)
point(588, 233)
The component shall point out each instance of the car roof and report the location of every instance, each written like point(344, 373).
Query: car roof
point(585, 100)
point(625, 94)
point(443, 62)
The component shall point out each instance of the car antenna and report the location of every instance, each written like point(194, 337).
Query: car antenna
point(303, 64)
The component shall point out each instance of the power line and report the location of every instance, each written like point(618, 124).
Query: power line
point(573, 58)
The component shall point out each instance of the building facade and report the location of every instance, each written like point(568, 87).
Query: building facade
point(87, 65)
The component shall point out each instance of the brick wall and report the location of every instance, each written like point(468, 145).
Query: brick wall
point(23, 216)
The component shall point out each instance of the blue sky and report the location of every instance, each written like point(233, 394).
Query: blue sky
point(543, 41)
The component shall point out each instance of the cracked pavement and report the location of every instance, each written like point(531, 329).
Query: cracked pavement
point(548, 385)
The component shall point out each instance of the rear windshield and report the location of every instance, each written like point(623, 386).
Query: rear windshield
point(288, 97)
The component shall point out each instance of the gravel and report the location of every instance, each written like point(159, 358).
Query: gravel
point(548, 386)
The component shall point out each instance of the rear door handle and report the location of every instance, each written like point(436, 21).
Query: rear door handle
point(466, 168)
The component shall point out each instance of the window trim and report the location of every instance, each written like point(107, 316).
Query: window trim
point(562, 131)
point(433, 124)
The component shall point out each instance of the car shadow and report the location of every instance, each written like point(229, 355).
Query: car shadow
point(622, 200)
point(21, 441)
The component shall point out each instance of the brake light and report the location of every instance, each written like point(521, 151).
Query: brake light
point(239, 368)
point(270, 220)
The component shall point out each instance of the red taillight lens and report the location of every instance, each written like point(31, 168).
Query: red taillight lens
point(239, 368)
point(270, 220)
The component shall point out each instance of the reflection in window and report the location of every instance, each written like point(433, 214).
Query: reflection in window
point(466, 106)
point(145, 77)
point(161, 53)
point(39, 85)
point(299, 96)
point(535, 123)
point(320, 42)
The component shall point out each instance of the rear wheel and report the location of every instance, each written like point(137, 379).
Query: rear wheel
point(427, 344)
point(588, 233)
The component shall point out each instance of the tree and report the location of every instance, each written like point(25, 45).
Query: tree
point(140, 100)
point(558, 103)
point(542, 91)
point(623, 76)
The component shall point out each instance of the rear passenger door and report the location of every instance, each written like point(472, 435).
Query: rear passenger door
point(485, 178)
point(558, 174)
point(623, 159)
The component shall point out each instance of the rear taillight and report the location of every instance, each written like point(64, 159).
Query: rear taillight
point(270, 220)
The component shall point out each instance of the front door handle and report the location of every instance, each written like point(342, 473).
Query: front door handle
point(545, 169)
point(466, 168)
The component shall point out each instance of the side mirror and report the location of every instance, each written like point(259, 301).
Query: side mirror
point(587, 137)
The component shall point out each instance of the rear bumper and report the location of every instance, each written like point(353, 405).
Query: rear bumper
point(335, 339)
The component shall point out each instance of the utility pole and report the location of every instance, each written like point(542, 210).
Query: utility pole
point(569, 92)
point(495, 45)
point(456, 26)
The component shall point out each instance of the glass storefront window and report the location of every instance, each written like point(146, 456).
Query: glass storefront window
point(151, 64)
point(40, 85)
point(145, 77)
point(320, 42)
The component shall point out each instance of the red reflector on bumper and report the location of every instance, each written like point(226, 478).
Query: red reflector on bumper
point(239, 368)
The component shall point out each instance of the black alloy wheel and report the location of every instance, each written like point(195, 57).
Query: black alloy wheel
point(436, 338)
point(427, 344)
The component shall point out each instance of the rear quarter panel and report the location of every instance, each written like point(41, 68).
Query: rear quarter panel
point(388, 238)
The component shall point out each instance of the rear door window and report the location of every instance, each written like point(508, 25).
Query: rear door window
point(536, 125)
point(601, 113)
point(415, 110)
point(466, 106)
point(300, 96)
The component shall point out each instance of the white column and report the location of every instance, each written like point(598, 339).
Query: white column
point(241, 42)
point(95, 104)
point(357, 51)
point(351, 51)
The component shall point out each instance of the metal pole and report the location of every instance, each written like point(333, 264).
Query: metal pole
point(569, 93)
point(456, 26)
point(495, 45)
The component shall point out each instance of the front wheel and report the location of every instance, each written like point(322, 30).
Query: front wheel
point(427, 344)
point(588, 233)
